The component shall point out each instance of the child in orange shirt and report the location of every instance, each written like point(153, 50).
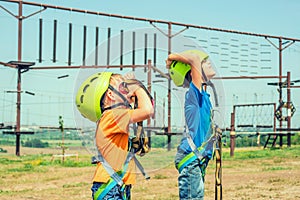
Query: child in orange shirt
point(105, 98)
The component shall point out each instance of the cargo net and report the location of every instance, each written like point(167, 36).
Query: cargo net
point(252, 123)
point(254, 117)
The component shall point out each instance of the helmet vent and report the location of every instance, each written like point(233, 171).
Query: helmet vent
point(85, 87)
point(81, 98)
point(174, 64)
point(93, 79)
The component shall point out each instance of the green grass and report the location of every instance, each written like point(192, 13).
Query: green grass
point(156, 158)
point(73, 176)
point(291, 152)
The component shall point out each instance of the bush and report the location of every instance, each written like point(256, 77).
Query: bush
point(36, 143)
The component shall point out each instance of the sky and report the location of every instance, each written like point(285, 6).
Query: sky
point(55, 96)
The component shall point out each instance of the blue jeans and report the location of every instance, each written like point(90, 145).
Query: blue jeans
point(114, 194)
point(190, 181)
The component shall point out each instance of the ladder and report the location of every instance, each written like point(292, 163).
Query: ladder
point(271, 140)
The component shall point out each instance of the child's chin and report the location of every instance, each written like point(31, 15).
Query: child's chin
point(185, 86)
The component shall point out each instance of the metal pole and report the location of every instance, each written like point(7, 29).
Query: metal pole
point(232, 134)
point(149, 78)
point(280, 80)
point(289, 115)
point(169, 82)
point(18, 117)
point(18, 124)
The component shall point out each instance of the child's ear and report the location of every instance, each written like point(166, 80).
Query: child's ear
point(110, 95)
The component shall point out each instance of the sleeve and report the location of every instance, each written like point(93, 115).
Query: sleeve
point(116, 121)
point(192, 115)
point(123, 120)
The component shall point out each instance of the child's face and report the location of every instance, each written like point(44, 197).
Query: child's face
point(208, 69)
point(122, 88)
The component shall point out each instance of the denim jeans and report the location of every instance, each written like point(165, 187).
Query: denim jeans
point(190, 181)
point(114, 194)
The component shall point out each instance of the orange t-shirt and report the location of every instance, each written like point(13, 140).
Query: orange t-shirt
point(112, 141)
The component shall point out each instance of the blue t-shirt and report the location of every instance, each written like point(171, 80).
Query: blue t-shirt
point(197, 115)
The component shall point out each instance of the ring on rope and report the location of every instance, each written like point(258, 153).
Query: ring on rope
point(278, 112)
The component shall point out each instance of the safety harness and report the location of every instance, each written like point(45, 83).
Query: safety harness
point(115, 177)
point(137, 146)
point(202, 153)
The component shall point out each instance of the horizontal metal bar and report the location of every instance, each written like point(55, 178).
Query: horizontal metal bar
point(88, 67)
point(150, 20)
point(256, 104)
point(296, 86)
point(287, 129)
point(18, 132)
point(249, 77)
point(8, 65)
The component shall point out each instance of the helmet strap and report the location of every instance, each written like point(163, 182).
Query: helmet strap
point(113, 106)
point(203, 75)
point(125, 103)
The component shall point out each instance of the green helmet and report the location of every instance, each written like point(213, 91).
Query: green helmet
point(178, 70)
point(90, 94)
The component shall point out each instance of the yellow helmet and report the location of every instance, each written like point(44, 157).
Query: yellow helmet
point(90, 93)
point(178, 70)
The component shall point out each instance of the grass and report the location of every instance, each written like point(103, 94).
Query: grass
point(58, 180)
point(278, 153)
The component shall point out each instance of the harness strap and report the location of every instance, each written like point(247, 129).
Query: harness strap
point(104, 189)
point(109, 169)
point(115, 177)
point(114, 106)
point(139, 165)
point(211, 142)
point(197, 153)
point(140, 141)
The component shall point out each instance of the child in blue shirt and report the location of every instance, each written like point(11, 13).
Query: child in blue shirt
point(192, 69)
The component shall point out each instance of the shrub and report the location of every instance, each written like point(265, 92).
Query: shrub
point(36, 143)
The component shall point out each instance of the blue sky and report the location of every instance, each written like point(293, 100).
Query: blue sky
point(274, 17)
point(54, 97)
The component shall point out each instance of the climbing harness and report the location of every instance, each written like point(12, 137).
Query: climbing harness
point(211, 147)
point(115, 177)
point(179, 73)
point(202, 153)
point(140, 142)
point(137, 146)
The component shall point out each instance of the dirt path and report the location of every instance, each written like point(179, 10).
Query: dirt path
point(242, 180)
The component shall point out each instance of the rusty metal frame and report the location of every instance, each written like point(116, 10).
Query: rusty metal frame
point(169, 36)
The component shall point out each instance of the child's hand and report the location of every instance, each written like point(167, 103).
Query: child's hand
point(132, 89)
point(129, 75)
point(189, 58)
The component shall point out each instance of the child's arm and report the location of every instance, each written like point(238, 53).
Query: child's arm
point(191, 59)
point(145, 108)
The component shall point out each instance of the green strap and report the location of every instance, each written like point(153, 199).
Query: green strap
point(104, 189)
point(187, 160)
point(194, 155)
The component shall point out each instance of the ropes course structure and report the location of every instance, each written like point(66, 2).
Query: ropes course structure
point(251, 120)
point(254, 117)
point(61, 30)
point(259, 120)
